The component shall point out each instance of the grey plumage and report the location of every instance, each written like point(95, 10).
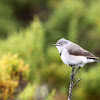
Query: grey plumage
point(76, 50)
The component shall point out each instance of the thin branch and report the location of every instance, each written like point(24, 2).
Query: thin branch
point(71, 83)
point(76, 82)
point(77, 70)
point(72, 76)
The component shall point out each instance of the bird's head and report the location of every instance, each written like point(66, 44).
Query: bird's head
point(61, 43)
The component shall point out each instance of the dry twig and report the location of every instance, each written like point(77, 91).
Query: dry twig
point(72, 76)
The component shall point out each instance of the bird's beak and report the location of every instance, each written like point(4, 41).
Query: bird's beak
point(54, 44)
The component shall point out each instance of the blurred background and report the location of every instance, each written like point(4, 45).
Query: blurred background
point(30, 67)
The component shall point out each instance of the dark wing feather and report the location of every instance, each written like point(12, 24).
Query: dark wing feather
point(78, 51)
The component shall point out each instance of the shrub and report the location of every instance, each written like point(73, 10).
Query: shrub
point(29, 44)
point(12, 72)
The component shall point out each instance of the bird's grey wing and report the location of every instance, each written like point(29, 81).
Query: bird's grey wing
point(76, 50)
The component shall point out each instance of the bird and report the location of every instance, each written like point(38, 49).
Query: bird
point(74, 55)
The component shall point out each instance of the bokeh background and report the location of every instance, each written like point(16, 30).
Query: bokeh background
point(30, 67)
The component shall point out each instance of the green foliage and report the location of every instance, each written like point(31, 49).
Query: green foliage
point(12, 70)
point(7, 20)
point(74, 19)
point(37, 56)
point(15, 14)
point(89, 88)
point(55, 75)
point(28, 92)
point(53, 55)
point(51, 95)
point(28, 46)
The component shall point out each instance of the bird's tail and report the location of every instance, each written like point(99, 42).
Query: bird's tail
point(98, 61)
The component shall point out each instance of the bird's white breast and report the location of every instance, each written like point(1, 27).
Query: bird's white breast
point(71, 59)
